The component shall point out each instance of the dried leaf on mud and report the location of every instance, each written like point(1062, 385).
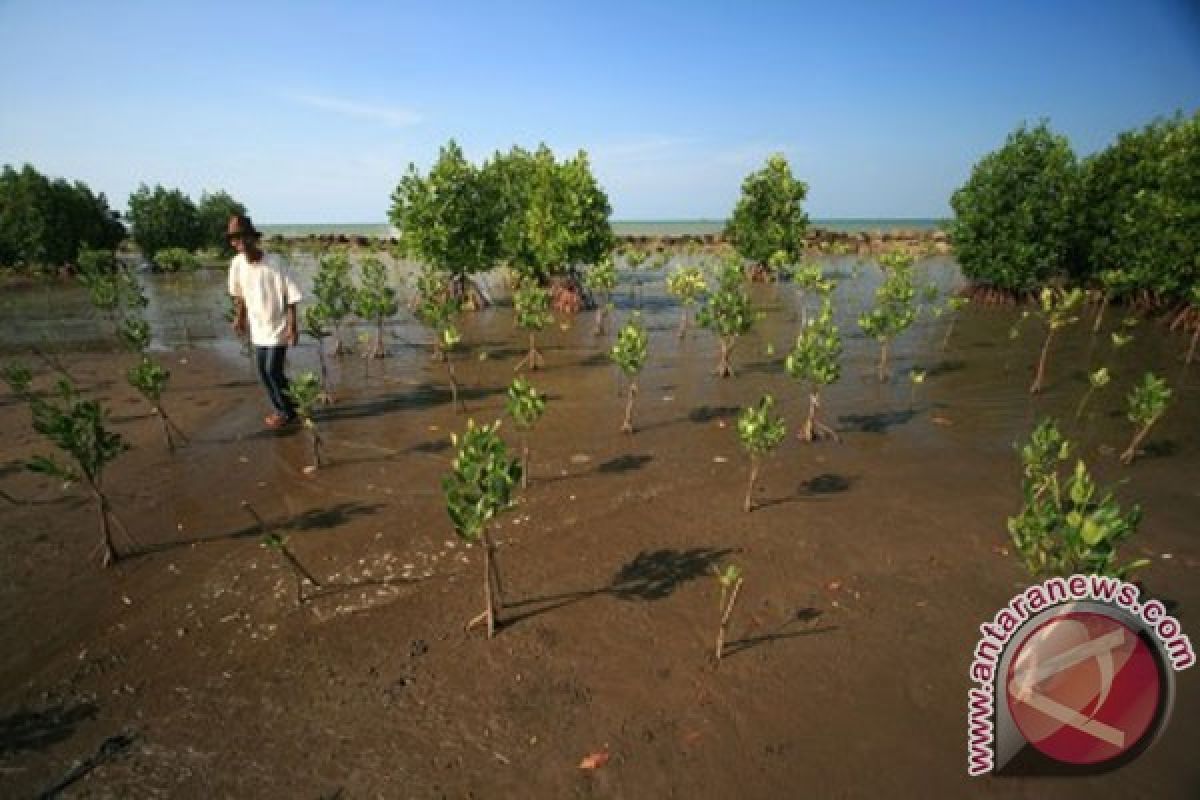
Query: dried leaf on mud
point(595, 760)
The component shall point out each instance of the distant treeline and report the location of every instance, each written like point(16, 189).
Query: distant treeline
point(45, 224)
point(1125, 220)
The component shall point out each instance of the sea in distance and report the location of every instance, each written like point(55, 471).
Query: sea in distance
point(653, 227)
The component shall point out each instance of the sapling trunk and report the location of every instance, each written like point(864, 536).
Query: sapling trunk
point(524, 460)
point(883, 360)
point(627, 425)
point(748, 505)
point(683, 323)
point(1083, 401)
point(458, 404)
point(949, 330)
point(724, 367)
point(726, 613)
point(326, 396)
point(1191, 353)
point(107, 520)
point(533, 359)
point(1100, 313)
point(491, 587)
point(1131, 453)
point(378, 351)
point(339, 349)
point(1041, 367)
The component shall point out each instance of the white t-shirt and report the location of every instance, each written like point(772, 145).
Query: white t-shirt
point(267, 288)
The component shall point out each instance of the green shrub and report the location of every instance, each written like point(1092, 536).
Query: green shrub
point(1013, 217)
point(769, 216)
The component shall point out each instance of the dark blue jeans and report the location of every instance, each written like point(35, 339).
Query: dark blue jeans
point(269, 361)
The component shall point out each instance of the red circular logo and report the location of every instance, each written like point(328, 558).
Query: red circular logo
point(1083, 688)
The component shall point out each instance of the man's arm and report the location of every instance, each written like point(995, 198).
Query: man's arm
point(239, 316)
point(293, 331)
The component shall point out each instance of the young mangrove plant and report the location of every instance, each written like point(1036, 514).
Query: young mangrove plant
point(816, 360)
point(916, 377)
point(759, 433)
point(480, 485)
point(730, 581)
point(334, 291)
point(894, 311)
point(532, 306)
point(316, 327)
point(305, 392)
point(79, 428)
point(1057, 308)
point(727, 312)
point(600, 280)
point(1147, 403)
point(1067, 526)
point(438, 307)
point(277, 542)
point(375, 301)
point(1113, 283)
point(525, 405)
point(150, 379)
point(809, 278)
point(1194, 307)
point(1096, 380)
point(635, 259)
point(629, 353)
point(952, 308)
point(687, 285)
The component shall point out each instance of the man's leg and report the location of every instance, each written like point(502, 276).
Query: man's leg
point(261, 363)
point(283, 402)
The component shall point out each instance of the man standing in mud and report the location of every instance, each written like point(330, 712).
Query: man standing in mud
point(265, 297)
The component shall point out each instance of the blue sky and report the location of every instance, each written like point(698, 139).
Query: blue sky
point(310, 112)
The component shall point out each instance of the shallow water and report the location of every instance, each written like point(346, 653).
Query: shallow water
point(976, 389)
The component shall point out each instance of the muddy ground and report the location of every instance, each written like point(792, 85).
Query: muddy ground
point(869, 565)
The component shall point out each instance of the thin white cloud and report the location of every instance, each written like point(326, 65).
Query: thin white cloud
point(650, 147)
point(387, 115)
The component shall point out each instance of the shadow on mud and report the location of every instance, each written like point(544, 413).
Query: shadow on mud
point(879, 422)
point(37, 730)
point(625, 463)
point(703, 414)
point(803, 615)
point(313, 520)
point(650, 576)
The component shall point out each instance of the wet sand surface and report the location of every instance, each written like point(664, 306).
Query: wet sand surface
point(869, 566)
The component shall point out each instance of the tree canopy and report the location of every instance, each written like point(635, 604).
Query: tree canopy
point(769, 217)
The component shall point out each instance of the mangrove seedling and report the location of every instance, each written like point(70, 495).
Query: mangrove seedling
point(727, 312)
point(759, 433)
point(687, 285)
point(629, 353)
point(1119, 339)
point(894, 311)
point(532, 305)
point(635, 258)
point(375, 301)
point(816, 360)
point(1147, 403)
point(279, 543)
point(916, 377)
point(1057, 307)
point(1194, 303)
point(481, 484)
point(305, 392)
point(79, 428)
point(601, 279)
point(954, 305)
point(438, 307)
point(1067, 527)
point(335, 294)
point(525, 405)
point(809, 278)
point(150, 379)
point(730, 581)
point(315, 327)
point(1113, 282)
point(1096, 380)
